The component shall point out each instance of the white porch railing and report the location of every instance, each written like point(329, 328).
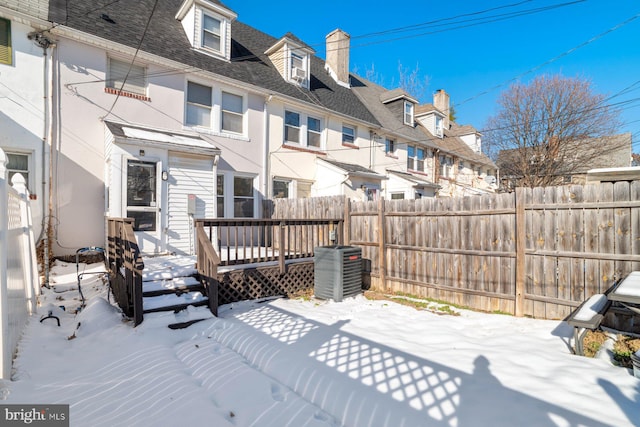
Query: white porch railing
point(18, 264)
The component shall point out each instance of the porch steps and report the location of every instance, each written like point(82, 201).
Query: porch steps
point(169, 284)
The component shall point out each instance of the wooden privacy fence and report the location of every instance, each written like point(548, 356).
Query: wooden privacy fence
point(536, 252)
point(125, 267)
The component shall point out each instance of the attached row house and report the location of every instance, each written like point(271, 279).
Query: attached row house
point(170, 110)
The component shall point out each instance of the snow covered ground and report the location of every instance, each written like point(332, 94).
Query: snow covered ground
point(310, 363)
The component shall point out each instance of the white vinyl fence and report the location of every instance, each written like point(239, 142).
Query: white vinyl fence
point(18, 270)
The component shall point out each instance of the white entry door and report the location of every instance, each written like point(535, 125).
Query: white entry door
point(143, 203)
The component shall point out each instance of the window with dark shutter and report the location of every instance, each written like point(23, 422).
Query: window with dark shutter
point(5, 42)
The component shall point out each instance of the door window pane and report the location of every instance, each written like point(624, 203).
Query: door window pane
point(141, 184)
point(143, 220)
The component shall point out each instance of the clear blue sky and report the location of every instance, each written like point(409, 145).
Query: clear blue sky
point(490, 48)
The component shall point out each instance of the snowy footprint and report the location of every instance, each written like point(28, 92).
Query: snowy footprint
point(276, 393)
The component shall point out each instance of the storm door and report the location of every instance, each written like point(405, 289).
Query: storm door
point(142, 203)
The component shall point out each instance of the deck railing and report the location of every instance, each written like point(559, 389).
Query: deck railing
point(125, 267)
point(207, 264)
point(248, 241)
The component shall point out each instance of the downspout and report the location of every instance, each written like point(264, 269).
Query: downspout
point(42, 41)
point(265, 149)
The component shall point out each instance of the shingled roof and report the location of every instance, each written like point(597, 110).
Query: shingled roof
point(124, 23)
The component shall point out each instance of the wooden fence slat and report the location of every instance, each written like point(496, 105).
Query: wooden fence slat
point(576, 240)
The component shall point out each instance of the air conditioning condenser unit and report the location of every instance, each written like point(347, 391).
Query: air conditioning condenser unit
point(337, 272)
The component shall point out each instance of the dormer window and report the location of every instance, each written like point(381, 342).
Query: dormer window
point(439, 128)
point(211, 32)
point(297, 56)
point(207, 24)
point(408, 113)
point(298, 70)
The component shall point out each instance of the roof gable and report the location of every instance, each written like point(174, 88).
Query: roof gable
point(166, 38)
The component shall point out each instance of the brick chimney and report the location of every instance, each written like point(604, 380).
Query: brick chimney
point(338, 56)
point(441, 102)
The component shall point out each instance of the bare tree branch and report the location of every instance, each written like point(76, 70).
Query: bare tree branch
point(549, 129)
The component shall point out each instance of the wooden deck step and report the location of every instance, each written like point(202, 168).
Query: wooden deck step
point(173, 302)
point(177, 286)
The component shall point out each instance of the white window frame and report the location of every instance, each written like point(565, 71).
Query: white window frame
point(6, 52)
point(439, 123)
point(229, 196)
point(198, 106)
point(241, 114)
point(416, 160)
point(288, 184)
point(252, 198)
point(204, 31)
point(135, 74)
point(304, 130)
point(354, 137)
point(220, 192)
point(303, 58)
point(390, 146)
point(446, 166)
point(408, 115)
point(29, 179)
point(298, 127)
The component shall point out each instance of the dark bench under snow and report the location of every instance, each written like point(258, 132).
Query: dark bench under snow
point(587, 317)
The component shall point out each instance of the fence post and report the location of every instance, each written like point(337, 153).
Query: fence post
point(520, 252)
point(347, 221)
point(382, 241)
point(30, 269)
point(281, 251)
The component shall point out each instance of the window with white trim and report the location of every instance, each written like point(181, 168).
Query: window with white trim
point(232, 117)
point(389, 146)
point(291, 127)
point(314, 132)
point(408, 113)
point(243, 197)
point(281, 188)
point(348, 134)
point(297, 67)
point(6, 55)
point(397, 196)
point(446, 166)
point(127, 77)
point(18, 163)
point(415, 158)
point(302, 129)
point(220, 196)
point(199, 104)
point(439, 128)
point(211, 32)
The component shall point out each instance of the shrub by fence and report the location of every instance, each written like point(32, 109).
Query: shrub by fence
point(18, 270)
point(536, 252)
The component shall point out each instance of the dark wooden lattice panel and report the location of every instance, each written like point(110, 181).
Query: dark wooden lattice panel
point(253, 283)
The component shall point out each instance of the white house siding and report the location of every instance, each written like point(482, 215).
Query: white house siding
point(188, 175)
point(22, 111)
point(298, 163)
point(80, 157)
